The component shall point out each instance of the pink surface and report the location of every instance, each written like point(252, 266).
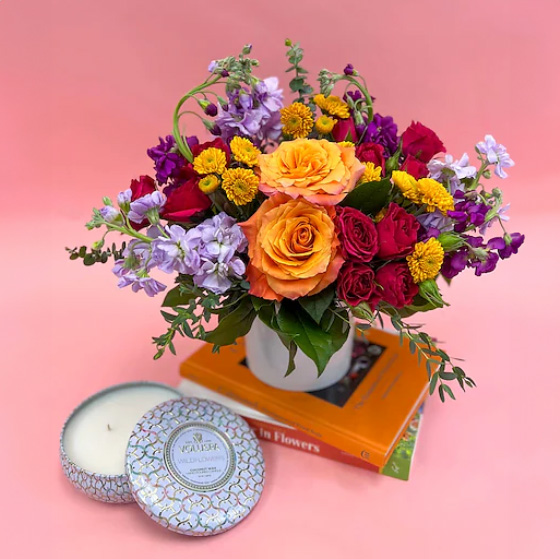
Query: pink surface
point(87, 86)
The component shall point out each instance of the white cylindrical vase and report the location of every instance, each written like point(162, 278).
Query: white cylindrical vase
point(267, 358)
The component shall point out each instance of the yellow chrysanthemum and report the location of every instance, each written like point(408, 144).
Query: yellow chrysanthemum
point(426, 260)
point(240, 185)
point(434, 195)
point(332, 105)
point(346, 144)
point(407, 184)
point(371, 173)
point(209, 184)
point(297, 120)
point(324, 124)
point(211, 160)
point(244, 151)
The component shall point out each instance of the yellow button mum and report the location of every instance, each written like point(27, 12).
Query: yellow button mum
point(297, 120)
point(426, 260)
point(435, 196)
point(424, 191)
point(324, 124)
point(372, 173)
point(209, 184)
point(244, 151)
point(240, 185)
point(333, 105)
point(211, 160)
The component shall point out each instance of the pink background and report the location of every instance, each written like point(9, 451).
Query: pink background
point(86, 86)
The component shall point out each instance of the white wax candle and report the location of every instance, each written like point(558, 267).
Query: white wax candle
point(96, 436)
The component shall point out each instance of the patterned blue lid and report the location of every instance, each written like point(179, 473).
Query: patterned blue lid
point(195, 467)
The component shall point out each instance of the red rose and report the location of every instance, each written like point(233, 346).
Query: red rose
point(371, 153)
point(184, 201)
point(357, 284)
point(415, 167)
point(357, 235)
point(217, 143)
point(420, 142)
point(397, 233)
point(345, 130)
point(142, 186)
point(396, 285)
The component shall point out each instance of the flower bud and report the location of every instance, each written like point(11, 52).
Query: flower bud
point(450, 241)
point(429, 291)
point(247, 49)
point(288, 42)
point(209, 184)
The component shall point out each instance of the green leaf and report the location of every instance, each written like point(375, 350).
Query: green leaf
point(292, 351)
point(369, 197)
point(441, 392)
point(296, 84)
point(433, 382)
point(317, 343)
point(233, 325)
point(176, 298)
point(316, 305)
point(448, 390)
point(447, 376)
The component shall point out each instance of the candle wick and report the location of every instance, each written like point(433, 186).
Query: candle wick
point(108, 427)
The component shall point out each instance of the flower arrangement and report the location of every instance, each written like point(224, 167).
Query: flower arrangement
point(304, 214)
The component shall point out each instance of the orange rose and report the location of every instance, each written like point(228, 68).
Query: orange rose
point(320, 171)
point(293, 248)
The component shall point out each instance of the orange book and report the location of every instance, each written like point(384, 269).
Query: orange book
point(365, 414)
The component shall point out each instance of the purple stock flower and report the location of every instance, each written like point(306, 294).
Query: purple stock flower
point(467, 213)
point(254, 113)
point(216, 241)
point(172, 254)
point(134, 267)
point(485, 266)
point(149, 285)
point(110, 214)
point(454, 171)
point(211, 109)
point(381, 130)
point(147, 206)
point(512, 247)
point(496, 154)
point(435, 220)
point(454, 263)
point(167, 160)
point(124, 197)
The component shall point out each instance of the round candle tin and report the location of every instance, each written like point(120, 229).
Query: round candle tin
point(110, 488)
point(195, 467)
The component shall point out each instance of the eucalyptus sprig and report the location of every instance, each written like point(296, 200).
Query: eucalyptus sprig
point(439, 365)
point(299, 83)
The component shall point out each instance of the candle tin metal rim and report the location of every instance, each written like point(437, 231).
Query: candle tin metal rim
point(109, 488)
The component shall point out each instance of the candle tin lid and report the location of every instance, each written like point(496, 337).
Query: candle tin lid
point(195, 467)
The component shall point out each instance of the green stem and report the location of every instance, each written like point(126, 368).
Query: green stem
point(365, 93)
point(182, 145)
point(130, 232)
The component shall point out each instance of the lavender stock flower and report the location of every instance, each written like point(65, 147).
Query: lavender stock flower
point(254, 113)
point(172, 254)
point(496, 154)
point(147, 206)
point(110, 214)
point(454, 171)
point(216, 241)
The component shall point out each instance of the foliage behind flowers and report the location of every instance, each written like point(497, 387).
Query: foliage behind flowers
point(304, 214)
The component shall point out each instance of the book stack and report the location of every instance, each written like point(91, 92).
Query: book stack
point(369, 419)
